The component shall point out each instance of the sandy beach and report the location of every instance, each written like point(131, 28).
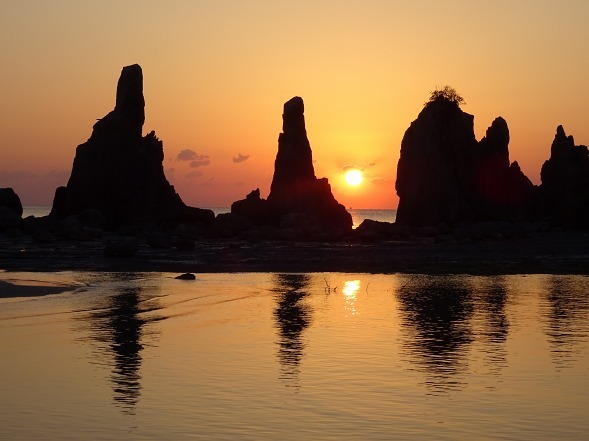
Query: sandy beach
point(9, 289)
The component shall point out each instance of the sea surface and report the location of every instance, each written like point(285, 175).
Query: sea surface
point(323, 356)
point(358, 215)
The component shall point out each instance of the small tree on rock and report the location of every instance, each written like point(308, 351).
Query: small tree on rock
point(447, 94)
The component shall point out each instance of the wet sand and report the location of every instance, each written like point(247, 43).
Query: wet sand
point(551, 253)
point(29, 289)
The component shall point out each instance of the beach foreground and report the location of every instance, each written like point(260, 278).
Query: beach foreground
point(553, 252)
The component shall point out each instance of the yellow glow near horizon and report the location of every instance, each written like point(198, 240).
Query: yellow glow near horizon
point(354, 177)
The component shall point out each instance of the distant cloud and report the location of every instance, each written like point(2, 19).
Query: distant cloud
point(34, 187)
point(200, 161)
point(195, 159)
point(186, 155)
point(53, 177)
point(359, 167)
point(210, 183)
point(194, 174)
point(383, 181)
point(240, 158)
point(9, 176)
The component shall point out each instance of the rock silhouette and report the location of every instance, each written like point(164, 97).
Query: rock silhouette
point(444, 176)
point(254, 208)
point(295, 190)
point(10, 210)
point(565, 182)
point(9, 199)
point(119, 172)
point(502, 191)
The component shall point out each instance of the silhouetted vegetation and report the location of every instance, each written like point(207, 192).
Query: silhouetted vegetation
point(447, 94)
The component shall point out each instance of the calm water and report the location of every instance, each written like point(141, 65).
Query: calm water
point(357, 215)
point(295, 356)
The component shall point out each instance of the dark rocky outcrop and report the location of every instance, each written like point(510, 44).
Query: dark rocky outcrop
point(565, 182)
point(295, 189)
point(502, 191)
point(444, 176)
point(254, 208)
point(123, 247)
point(9, 199)
point(119, 172)
point(10, 212)
point(186, 276)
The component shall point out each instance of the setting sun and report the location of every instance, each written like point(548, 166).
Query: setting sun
point(353, 177)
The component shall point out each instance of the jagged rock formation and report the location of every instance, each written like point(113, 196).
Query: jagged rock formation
point(444, 176)
point(119, 172)
point(253, 207)
point(565, 182)
point(295, 189)
point(502, 191)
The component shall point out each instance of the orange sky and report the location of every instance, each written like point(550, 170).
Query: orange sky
point(217, 72)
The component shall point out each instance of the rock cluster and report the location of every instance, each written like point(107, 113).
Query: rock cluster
point(298, 200)
point(119, 172)
point(452, 188)
point(444, 176)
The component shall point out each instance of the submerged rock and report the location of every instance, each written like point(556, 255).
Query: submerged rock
point(186, 276)
point(119, 172)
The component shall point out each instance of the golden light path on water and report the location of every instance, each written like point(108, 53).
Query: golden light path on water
point(350, 290)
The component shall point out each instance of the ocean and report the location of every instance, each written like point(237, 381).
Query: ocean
point(322, 356)
point(358, 215)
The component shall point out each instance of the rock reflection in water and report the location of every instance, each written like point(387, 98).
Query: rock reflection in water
point(118, 324)
point(292, 318)
point(566, 309)
point(435, 313)
point(491, 299)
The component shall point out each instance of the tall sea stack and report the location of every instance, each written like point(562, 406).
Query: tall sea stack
point(119, 172)
point(295, 190)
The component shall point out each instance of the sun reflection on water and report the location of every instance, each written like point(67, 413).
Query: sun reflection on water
point(350, 290)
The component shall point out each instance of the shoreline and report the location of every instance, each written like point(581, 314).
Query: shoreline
point(554, 252)
point(10, 290)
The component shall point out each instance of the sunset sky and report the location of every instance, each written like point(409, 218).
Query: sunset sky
point(217, 72)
